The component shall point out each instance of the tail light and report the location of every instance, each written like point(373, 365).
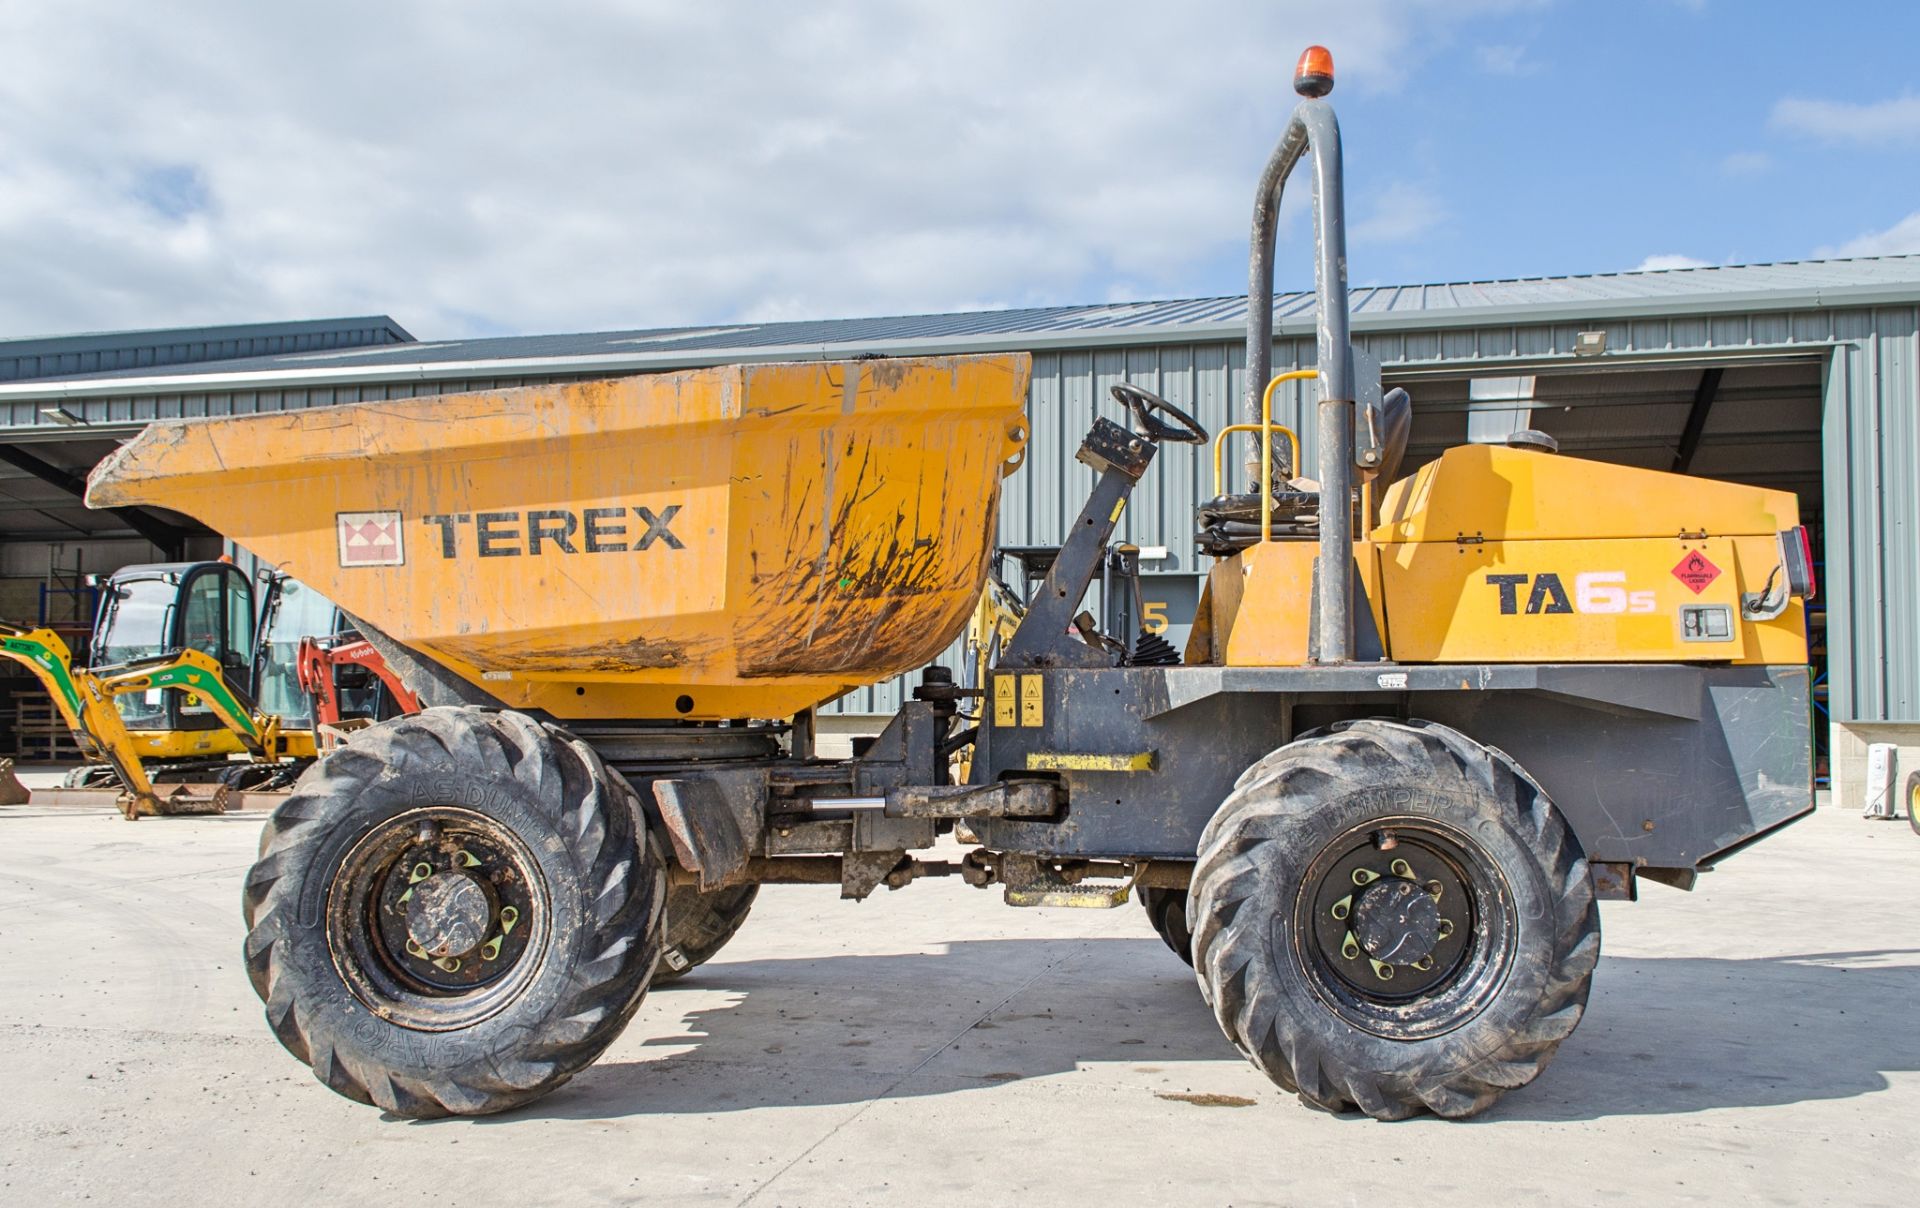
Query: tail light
point(1796, 554)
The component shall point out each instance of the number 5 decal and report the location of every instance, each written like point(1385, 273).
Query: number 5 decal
point(1153, 616)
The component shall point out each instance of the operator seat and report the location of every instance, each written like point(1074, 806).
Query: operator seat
point(1230, 523)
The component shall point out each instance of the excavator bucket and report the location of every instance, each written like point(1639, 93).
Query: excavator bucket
point(12, 792)
point(741, 541)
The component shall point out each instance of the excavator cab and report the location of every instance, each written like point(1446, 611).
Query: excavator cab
point(155, 610)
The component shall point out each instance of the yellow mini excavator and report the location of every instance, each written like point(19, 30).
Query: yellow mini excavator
point(187, 674)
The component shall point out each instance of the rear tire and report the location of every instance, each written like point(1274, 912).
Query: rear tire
point(1913, 800)
point(539, 900)
point(1478, 989)
point(699, 925)
point(1167, 911)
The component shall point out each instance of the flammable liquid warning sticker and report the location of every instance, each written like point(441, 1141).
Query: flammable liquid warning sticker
point(1696, 571)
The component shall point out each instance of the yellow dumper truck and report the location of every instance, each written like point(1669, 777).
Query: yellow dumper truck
point(1420, 727)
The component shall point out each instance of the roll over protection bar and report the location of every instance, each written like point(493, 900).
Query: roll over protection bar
point(1313, 128)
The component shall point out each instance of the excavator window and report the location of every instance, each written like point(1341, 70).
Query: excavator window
point(297, 611)
point(216, 618)
point(135, 622)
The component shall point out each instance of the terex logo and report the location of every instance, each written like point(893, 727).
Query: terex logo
point(1594, 591)
point(592, 531)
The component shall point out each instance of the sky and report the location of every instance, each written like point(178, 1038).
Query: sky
point(485, 167)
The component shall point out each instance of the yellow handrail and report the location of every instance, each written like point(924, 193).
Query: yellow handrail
point(1266, 428)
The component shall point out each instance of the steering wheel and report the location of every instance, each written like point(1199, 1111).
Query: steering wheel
point(1185, 430)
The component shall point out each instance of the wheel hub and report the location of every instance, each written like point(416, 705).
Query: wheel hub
point(435, 915)
point(1396, 921)
point(448, 914)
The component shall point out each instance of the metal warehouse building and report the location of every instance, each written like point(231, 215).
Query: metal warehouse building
point(1802, 376)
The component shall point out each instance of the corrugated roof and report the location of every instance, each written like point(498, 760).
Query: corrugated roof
point(1791, 285)
point(152, 349)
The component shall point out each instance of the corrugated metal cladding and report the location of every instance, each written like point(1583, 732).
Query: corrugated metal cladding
point(66, 356)
point(1872, 449)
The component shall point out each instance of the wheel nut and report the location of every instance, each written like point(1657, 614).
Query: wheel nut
point(1400, 868)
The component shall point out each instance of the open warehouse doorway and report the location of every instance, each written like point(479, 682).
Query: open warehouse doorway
point(1755, 421)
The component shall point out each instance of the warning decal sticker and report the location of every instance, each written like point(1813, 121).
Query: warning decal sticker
point(1696, 571)
point(370, 539)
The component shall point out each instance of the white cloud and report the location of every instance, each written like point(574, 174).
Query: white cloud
point(1746, 163)
point(1399, 213)
point(1505, 60)
point(1876, 123)
point(489, 165)
point(1670, 260)
point(1902, 238)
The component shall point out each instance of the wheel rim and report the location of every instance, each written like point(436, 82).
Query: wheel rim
point(1405, 927)
point(437, 918)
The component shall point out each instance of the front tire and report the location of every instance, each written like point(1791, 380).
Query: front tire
point(1391, 917)
point(455, 914)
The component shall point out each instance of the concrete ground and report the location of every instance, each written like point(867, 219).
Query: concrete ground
point(1757, 1041)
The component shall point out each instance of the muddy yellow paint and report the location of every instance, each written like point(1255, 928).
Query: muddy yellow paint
point(1062, 761)
point(1496, 492)
point(1445, 609)
point(1610, 535)
point(829, 521)
point(1260, 600)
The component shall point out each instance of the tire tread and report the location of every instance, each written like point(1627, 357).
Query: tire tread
point(593, 808)
point(1227, 939)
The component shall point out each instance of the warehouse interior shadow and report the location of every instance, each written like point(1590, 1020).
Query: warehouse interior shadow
point(1662, 1035)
